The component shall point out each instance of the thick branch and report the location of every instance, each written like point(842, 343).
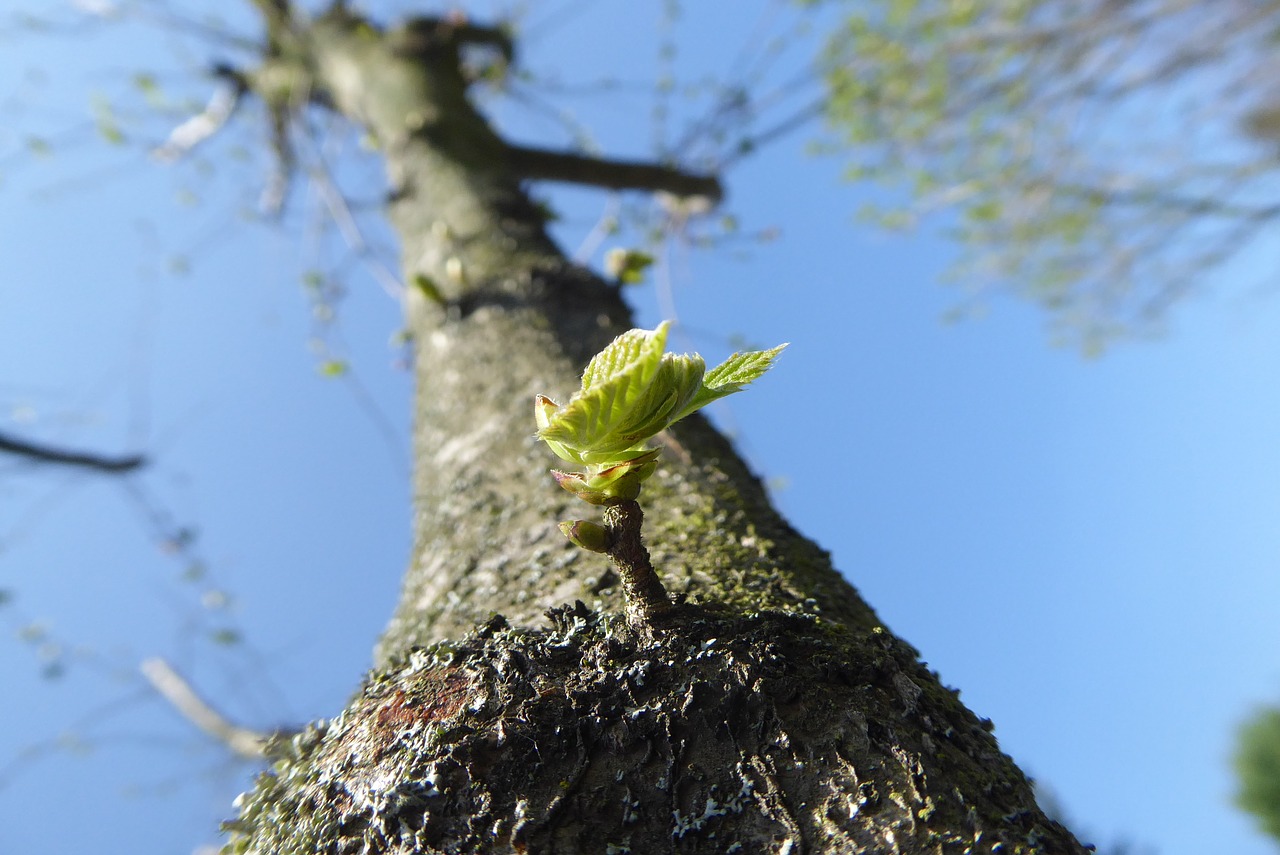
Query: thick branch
point(542, 165)
point(456, 30)
point(66, 457)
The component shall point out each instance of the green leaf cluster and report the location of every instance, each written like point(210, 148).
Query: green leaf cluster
point(1042, 132)
point(1257, 764)
point(632, 391)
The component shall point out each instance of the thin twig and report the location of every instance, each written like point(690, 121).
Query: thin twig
point(66, 457)
point(200, 127)
point(175, 689)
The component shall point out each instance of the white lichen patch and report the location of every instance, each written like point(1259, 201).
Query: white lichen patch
point(714, 808)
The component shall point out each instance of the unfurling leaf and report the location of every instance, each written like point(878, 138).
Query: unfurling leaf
point(632, 391)
point(610, 486)
point(733, 375)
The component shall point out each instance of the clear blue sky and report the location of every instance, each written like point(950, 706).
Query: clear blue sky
point(1087, 549)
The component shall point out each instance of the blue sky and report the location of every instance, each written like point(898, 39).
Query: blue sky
point(1087, 549)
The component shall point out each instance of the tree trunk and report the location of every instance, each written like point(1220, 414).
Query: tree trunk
point(513, 708)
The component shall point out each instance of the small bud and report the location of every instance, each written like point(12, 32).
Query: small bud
point(620, 483)
point(588, 535)
point(429, 289)
point(578, 485)
point(454, 270)
point(543, 409)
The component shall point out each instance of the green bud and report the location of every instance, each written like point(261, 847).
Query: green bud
point(587, 534)
point(543, 409)
point(429, 289)
point(620, 483)
point(577, 484)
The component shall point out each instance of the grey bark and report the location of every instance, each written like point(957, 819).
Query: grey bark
point(771, 712)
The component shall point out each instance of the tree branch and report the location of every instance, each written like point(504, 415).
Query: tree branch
point(278, 17)
point(200, 127)
point(175, 689)
point(464, 31)
point(542, 165)
point(49, 454)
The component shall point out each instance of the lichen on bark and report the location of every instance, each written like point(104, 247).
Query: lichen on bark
point(714, 736)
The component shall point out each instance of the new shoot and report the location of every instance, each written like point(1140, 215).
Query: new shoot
point(631, 391)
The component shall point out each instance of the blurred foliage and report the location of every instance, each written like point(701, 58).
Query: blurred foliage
point(627, 266)
point(1098, 157)
point(1257, 763)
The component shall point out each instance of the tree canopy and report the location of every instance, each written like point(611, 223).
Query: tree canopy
point(1258, 766)
point(1104, 159)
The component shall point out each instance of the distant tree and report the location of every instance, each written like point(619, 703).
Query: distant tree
point(1257, 762)
point(1101, 157)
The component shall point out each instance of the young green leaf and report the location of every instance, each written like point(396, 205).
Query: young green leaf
point(731, 376)
point(617, 402)
point(633, 349)
point(632, 391)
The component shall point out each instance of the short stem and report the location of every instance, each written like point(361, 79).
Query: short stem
point(646, 597)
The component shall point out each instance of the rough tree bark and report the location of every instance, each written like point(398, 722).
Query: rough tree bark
point(512, 708)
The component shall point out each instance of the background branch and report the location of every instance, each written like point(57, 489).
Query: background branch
point(66, 457)
point(175, 689)
point(543, 165)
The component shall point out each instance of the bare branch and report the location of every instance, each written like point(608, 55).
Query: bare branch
point(543, 165)
point(456, 29)
point(49, 454)
point(350, 230)
point(175, 689)
point(203, 125)
point(1074, 141)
